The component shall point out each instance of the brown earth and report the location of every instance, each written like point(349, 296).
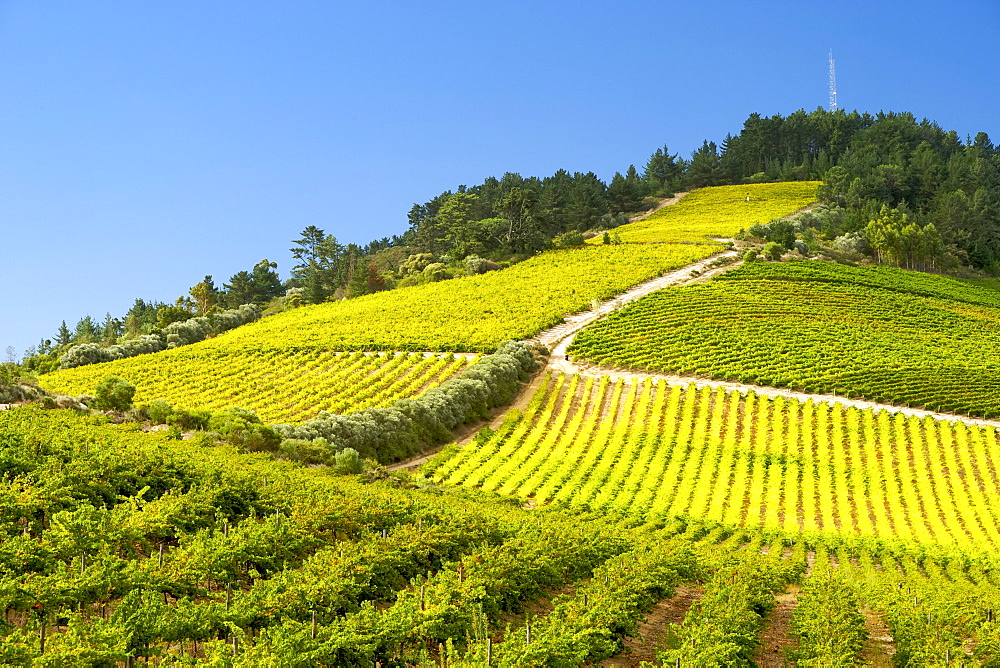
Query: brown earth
point(643, 647)
point(776, 638)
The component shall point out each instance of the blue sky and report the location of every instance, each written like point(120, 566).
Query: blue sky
point(144, 145)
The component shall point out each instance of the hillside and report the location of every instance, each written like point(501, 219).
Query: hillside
point(293, 350)
point(194, 555)
point(659, 451)
point(278, 385)
point(879, 333)
point(733, 208)
point(619, 482)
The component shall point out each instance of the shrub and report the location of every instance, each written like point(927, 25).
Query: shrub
point(160, 411)
point(175, 334)
point(750, 255)
point(854, 243)
point(188, 420)
point(10, 394)
point(436, 271)
point(243, 428)
point(569, 239)
point(477, 265)
point(348, 461)
point(114, 394)
point(316, 451)
point(772, 250)
point(85, 353)
point(609, 220)
point(415, 264)
point(403, 429)
point(779, 231)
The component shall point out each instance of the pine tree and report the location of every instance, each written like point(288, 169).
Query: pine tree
point(314, 291)
point(111, 330)
point(239, 289)
point(624, 193)
point(706, 167)
point(86, 331)
point(264, 281)
point(663, 171)
point(63, 337)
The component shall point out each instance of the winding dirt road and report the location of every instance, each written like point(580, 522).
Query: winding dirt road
point(558, 338)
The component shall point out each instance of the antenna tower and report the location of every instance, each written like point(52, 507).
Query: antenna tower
point(833, 84)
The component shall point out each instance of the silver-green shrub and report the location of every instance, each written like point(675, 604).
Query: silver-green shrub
point(411, 425)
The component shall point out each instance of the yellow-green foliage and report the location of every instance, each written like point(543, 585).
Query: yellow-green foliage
point(473, 313)
point(120, 543)
point(281, 366)
point(720, 212)
point(657, 451)
point(881, 333)
point(278, 385)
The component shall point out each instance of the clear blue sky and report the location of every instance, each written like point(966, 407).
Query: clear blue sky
point(144, 145)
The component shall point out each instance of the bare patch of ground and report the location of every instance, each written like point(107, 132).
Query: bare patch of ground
point(777, 638)
point(644, 646)
point(880, 646)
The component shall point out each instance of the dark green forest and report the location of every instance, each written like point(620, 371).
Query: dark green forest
point(893, 185)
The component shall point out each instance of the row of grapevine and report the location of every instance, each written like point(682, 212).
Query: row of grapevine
point(893, 337)
point(981, 292)
point(653, 450)
point(938, 607)
point(119, 544)
point(588, 626)
point(722, 628)
point(828, 622)
point(720, 211)
point(278, 385)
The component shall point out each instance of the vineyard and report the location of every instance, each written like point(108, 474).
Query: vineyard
point(659, 451)
point(283, 366)
point(278, 385)
point(473, 313)
point(548, 538)
point(720, 212)
point(188, 555)
point(157, 548)
point(892, 336)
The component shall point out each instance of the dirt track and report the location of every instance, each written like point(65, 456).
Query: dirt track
point(558, 339)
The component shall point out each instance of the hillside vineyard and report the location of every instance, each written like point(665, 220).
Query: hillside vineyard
point(659, 451)
point(889, 335)
point(720, 212)
point(278, 385)
point(622, 508)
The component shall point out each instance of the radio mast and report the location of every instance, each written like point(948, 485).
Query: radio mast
point(833, 84)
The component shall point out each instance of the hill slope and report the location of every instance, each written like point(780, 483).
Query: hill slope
point(289, 353)
point(889, 335)
point(119, 544)
point(660, 451)
point(720, 212)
